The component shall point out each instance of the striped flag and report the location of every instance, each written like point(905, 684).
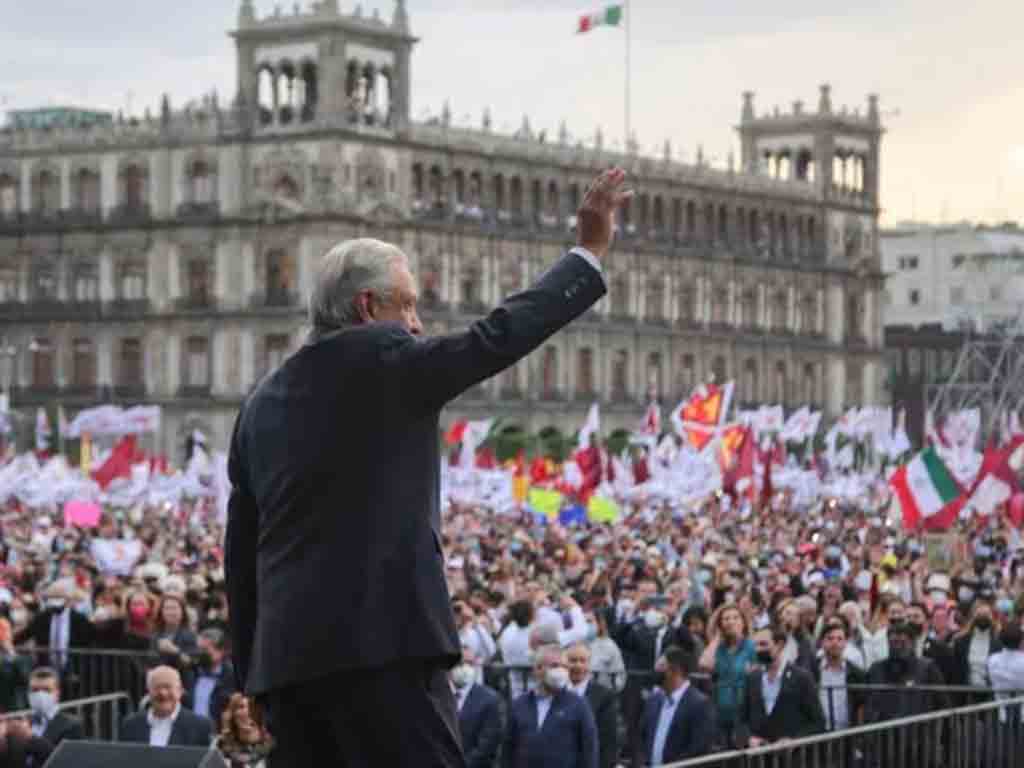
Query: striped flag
point(611, 16)
point(925, 490)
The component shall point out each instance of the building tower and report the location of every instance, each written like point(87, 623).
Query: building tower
point(322, 67)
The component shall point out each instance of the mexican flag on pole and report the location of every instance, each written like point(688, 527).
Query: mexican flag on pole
point(611, 16)
point(926, 490)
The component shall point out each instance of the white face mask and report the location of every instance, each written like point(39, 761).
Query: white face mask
point(42, 702)
point(19, 615)
point(654, 619)
point(556, 678)
point(56, 604)
point(463, 676)
point(938, 598)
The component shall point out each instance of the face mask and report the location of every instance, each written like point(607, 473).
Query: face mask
point(556, 678)
point(55, 604)
point(654, 619)
point(41, 702)
point(463, 675)
point(938, 598)
point(916, 629)
point(984, 623)
point(19, 615)
point(139, 612)
point(206, 659)
point(765, 658)
point(626, 604)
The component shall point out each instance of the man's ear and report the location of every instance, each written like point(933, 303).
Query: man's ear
point(364, 306)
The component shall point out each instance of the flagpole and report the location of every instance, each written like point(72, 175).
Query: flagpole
point(629, 25)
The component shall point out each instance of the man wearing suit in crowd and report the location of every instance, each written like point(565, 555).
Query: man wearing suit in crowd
point(58, 628)
point(927, 643)
point(166, 722)
point(551, 727)
point(780, 701)
point(335, 466)
point(22, 748)
point(837, 679)
point(47, 721)
point(213, 680)
point(603, 702)
point(678, 720)
point(480, 718)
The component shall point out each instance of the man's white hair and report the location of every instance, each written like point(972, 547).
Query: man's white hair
point(163, 669)
point(351, 266)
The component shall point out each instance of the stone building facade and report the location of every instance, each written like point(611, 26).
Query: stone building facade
point(165, 259)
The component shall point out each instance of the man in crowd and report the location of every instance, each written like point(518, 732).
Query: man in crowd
point(928, 644)
point(835, 674)
point(899, 676)
point(603, 702)
point(678, 721)
point(551, 727)
point(48, 722)
point(479, 709)
point(166, 722)
point(214, 679)
point(780, 700)
point(59, 628)
point(355, 525)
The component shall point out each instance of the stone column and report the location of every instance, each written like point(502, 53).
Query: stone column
point(835, 324)
point(105, 359)
point(108, 290)
point(835, 385)
point(172, 363)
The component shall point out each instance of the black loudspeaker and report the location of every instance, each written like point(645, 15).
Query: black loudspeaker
point(104, 754)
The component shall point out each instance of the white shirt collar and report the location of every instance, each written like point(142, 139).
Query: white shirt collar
point(677, 694)
point(154, 720)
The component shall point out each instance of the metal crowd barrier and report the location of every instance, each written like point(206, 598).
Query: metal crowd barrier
point(100, 716)
point(989, 735)
point(89, 672)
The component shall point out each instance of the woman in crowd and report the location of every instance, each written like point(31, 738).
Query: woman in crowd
point(728, 658)
point(173, 639)
point(243, 741)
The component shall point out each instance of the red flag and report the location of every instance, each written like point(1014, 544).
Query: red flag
point(455, 432)
point(125, 453)
point(485, 458)
point(589, 462)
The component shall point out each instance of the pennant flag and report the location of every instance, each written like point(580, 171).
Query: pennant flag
point(42, 430)
point(545, 502)
point(925, 488)
point(602, 510)
point(611, 16)
point(119, 464)
point(592, 426)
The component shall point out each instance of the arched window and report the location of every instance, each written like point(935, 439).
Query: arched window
point(133, 187)
point(475, 192)
point(286, 188)
point(197, 362)
point(85, 191)
point(658, 216)
point(655, 298)
point(549, 373)
point(83, 367)
point(643, 214)
point(417, 183)
point(132, 280)
point(130, 369)
point(783, 237)
point(500, 203)
point(723, 224)
point(620, 295)
point(691, 220)
point(280, 278)
point(552, 204)
point(46, 193)
point(201, 183)
point(719, 370)
point(678, 222)
point(437, 190)
point(748, 309)
point(779, 310)
point(585, 372)
point(709, 222)
point(687, 375)
point(266, 97)
point(459, 180)
point(781, 393)
point(620, 375)
point(8, 195)
point(42, 364)
point(285, 92)
point(750, 383)
point(655, 380)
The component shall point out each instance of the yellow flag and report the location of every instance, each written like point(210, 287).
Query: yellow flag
point(546, 502)
point(86, 456)
point(602, 510)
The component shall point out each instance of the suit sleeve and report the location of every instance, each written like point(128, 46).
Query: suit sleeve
point(590, 750)
point(490, 736)
point(703, 729)
point(240, 561)
point(508, 756)
point(437, 370)
point(810, 702)
point(608, 730)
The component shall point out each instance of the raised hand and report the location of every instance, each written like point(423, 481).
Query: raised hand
point(595, 219)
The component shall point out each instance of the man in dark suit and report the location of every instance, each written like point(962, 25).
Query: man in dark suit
point(604, 703)
point(57, 628)
point(166, 722)
point(780, 700)
point(341, 620)
point(678, 721)
point(480, 718)
point(551, 727)
point(47, 720)
point(927, 643)
point(839, 682)
point(213, 680)
point(23, 749)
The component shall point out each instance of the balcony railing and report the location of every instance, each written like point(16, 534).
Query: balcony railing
point(200, 212)
point(276, 297)
point(195, 303)
point(130, 213)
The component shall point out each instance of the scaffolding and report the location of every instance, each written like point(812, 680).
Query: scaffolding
point(988, 375)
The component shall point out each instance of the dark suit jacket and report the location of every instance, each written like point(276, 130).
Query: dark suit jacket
point(568, 738)
point(222, 690)
point(961, 651)
point(18, 752)
point(189, 730)
point(481, 727)
point(903, 699)
point(942, 654)
point(604, 706)
point(797, 710)
point(691, 730)
point(80, 636)
point(63, 727)
point(854, 698)
point(638, 643)
point(354, 525)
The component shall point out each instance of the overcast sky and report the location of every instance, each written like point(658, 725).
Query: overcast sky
point(950, 74)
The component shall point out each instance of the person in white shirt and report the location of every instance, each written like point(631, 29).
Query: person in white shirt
point(166, 722)
point(1006, 670)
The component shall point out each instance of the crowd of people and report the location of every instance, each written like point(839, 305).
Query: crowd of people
point(669, 634)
